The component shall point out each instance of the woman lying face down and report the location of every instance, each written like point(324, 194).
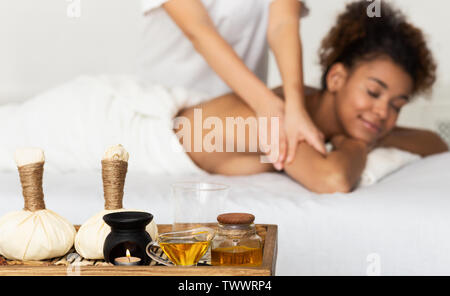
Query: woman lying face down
point(372, 67)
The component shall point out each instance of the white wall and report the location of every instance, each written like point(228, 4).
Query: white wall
point(41, 46)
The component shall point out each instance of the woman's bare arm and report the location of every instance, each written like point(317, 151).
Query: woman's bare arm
point(417, 141)
point(339, 171)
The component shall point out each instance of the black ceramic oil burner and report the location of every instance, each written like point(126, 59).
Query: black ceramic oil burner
point(127, 233)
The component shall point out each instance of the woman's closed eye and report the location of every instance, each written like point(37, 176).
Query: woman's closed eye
point(373, 94)
point(395, 104)
point(398, 103)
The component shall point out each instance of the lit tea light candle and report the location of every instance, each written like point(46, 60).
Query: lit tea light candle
point(128, 260)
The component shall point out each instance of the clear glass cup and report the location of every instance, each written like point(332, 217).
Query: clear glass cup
point(196, 203)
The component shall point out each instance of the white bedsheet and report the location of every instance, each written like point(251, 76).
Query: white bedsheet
point(404, 220)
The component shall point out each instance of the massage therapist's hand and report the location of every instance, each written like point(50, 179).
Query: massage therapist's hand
point(295, 126)
point(269, 108)
point(299, 127)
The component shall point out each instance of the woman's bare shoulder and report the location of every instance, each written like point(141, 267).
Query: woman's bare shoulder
point(308, 90)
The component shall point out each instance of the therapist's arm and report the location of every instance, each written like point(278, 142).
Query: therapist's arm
point(283, 34)
point(193, 19)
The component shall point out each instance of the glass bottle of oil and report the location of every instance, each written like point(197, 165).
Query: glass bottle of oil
point(236, 242)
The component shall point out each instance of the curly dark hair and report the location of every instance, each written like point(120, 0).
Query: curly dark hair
point(357, 37)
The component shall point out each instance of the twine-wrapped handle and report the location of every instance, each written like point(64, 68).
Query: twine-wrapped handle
point(31, 180)
point(113, 175)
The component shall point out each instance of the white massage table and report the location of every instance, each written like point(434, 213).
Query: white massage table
point(400, 226)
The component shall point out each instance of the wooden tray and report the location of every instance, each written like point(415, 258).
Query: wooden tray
point(266, 231)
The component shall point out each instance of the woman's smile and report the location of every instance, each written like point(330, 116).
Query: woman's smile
point(370, 126)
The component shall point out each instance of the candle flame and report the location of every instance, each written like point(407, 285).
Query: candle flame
point(128, 254)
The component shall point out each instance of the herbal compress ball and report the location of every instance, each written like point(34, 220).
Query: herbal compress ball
point(92, 234)
point(34, 233)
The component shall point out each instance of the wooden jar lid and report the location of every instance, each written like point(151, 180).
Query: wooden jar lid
point(236, 218)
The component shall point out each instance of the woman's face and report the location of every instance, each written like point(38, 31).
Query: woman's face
point(369, 101)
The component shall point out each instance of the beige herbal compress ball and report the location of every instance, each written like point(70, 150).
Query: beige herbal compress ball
point(34, 233)
point(92, 234)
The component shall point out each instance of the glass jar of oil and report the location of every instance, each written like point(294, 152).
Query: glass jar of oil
point(236, 242)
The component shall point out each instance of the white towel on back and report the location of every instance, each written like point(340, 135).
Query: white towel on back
point(75, 122)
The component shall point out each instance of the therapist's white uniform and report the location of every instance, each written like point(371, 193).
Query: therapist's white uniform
point(169, 58)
